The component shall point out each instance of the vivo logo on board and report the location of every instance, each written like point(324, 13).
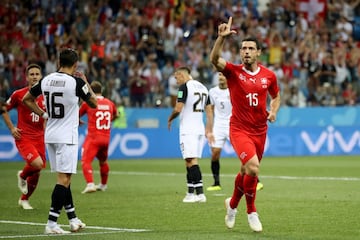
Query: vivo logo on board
point(329, 139)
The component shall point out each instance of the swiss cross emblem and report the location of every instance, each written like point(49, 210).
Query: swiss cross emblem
point(312, 8)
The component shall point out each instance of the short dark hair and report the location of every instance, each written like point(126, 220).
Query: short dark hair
point(252, 39)
point(184, 68)
point(30, 66)
point(96, 86)
point(68, 57)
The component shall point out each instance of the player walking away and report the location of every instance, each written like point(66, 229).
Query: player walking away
point(28, 135)
point(98, 137)
point(221, 106)
point(249, 85)
point(62, 91)
point(193, 100)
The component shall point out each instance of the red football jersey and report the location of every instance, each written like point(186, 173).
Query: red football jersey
point(31, 124)
point(100, 118)
point(248, 94)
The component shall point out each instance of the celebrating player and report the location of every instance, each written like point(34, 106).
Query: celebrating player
point(249, 84)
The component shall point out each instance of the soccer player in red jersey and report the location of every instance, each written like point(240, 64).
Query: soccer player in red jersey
point(98, 137)
point(249, 84)
point(28, 135)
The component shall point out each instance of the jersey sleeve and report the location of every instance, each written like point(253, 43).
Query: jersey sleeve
point(11, 102)
point(229, 72)
point(36, 89)
point(182, 93)
point(82, 89)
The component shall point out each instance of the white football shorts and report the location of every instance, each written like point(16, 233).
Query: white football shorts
point(191, 145)
point(63, 157)
point(221, 134)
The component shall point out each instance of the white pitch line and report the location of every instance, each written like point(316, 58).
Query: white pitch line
point(111, 230)
point(230, 175)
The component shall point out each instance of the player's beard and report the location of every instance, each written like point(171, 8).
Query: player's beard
point(248, 62)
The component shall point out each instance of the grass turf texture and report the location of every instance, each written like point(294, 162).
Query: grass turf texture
point(303, 198)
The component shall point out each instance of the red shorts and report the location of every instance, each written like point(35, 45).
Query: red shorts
point(95, 147)
point(246, 146)
point(31, 149)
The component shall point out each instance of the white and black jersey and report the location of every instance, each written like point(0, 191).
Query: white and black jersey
point(195, 97)
point(220, 98)
point(62, 92)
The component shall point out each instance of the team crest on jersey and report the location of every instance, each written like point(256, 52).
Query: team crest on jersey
point(242, 77)
point(243, 155)
point(264, 82)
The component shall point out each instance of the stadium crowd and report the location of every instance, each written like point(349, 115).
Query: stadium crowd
point(133, 47)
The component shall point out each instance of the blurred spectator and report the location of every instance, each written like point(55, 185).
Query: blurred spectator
point(173, 90)
point(336, 97)
point(343, 29)
point(349, 94)
point(328, 71)
point(296, 98)
point(137, 86)
point(51, 64)
point(153, 76)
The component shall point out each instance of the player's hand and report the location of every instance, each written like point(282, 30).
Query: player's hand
point(80, 75)
point(210, 137)
point(271, 117)
point(224, 29)
point(16, 133)
point(81, 122)
point(169, 125)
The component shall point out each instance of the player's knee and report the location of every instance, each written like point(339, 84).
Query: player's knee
point(37, 163)
point(252, 168)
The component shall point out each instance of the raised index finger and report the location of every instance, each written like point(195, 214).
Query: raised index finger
point(229, 22)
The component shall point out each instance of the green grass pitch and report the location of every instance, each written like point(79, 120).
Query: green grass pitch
point(303, 198)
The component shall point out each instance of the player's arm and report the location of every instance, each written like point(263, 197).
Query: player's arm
point(175, 113)
point(182, 95)
point(209, 110)
point(15, 132)
point(224, 30)
point(29, 101)
point(274, 107)
point(82, 111)
point(115, 113)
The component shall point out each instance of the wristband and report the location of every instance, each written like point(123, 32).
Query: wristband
point(45, 115)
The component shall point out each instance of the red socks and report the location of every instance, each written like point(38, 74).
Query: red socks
point(28, 170)
point(250, 192)
point(104, 172)
point(238, 191)
point(87, 172)
point(244, 185)
point(32, 182)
